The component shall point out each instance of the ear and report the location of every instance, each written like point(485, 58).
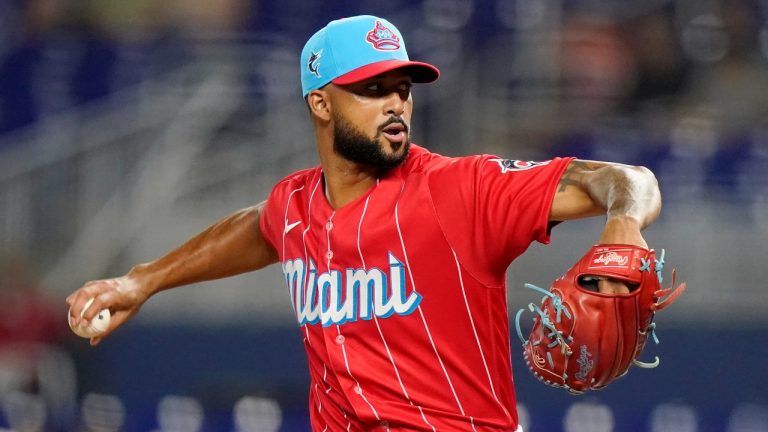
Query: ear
point(319, 104)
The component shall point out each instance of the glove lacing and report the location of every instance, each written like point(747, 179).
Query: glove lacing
point(555, 336)
point(659, 267)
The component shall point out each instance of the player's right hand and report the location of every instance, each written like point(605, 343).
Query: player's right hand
point(123, 296)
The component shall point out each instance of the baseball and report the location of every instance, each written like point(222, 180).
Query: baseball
point(98, 325)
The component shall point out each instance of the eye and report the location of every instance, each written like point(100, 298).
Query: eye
point(405, 86)
point(372, 87)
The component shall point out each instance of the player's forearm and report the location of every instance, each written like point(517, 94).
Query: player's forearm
point(625, 192)
point(231, 246)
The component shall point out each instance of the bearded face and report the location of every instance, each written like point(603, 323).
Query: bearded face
point(376, 151)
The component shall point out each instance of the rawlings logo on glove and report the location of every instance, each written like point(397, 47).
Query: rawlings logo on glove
point(610, 259)
point(583, 339)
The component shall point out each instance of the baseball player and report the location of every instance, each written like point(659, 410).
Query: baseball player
point(394, 257)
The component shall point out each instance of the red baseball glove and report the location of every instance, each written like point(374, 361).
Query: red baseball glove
point(583, 339)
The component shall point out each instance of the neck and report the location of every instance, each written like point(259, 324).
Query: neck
point(345, 181)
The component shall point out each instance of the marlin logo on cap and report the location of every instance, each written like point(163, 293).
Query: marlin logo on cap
point(382, 38)
point(313, 63)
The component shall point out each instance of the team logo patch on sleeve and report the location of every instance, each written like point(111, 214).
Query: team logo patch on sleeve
point(507, 165)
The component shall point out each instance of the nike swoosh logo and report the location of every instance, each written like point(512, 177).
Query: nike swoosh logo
point(290, 227)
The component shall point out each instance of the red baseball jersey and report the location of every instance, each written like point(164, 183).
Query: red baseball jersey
point(400, 294)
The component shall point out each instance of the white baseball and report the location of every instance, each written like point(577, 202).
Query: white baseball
point(98, 325)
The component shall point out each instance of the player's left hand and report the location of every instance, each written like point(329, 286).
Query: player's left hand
point(620, 230)
point(584, 340)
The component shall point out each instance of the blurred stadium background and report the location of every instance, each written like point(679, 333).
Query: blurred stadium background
point(127, 126)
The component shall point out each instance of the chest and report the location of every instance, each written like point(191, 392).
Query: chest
point(394, 219)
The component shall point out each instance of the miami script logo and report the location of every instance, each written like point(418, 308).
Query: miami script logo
point(337, 297)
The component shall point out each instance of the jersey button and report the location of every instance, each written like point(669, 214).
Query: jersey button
point(329, 254)
point(340, 339)
point(329, 225)
point(384, 424)
point(358, 390)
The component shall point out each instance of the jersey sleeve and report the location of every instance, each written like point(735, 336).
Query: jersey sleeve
point(269, 222)
point(491, 209)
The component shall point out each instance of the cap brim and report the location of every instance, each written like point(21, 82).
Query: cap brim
point(420, 72)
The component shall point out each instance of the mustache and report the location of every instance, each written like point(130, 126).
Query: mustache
point(393, 120)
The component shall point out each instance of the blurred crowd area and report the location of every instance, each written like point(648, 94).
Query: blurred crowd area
point(126, 126)
point(677, 85)
point(594, 77)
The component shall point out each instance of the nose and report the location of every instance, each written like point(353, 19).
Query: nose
point(394, 104)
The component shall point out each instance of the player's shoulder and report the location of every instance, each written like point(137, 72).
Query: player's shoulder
point(423, 160)
point(446, 172)
point(299, 177)
point(297, 180)
point(489, 164)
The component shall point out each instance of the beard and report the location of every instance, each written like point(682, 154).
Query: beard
point(352, 144)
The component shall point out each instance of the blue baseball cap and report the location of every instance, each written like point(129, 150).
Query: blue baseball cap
point(352, 49)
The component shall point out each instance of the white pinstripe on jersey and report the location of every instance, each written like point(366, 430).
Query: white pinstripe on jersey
point(306, 253)
point(474, 330)
point(287, 205)
point(426, 327)
point(319, 402)
point(376, 321)
point(328, 242)
point(357, 384)
point(338, 329)
point(359, 226)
